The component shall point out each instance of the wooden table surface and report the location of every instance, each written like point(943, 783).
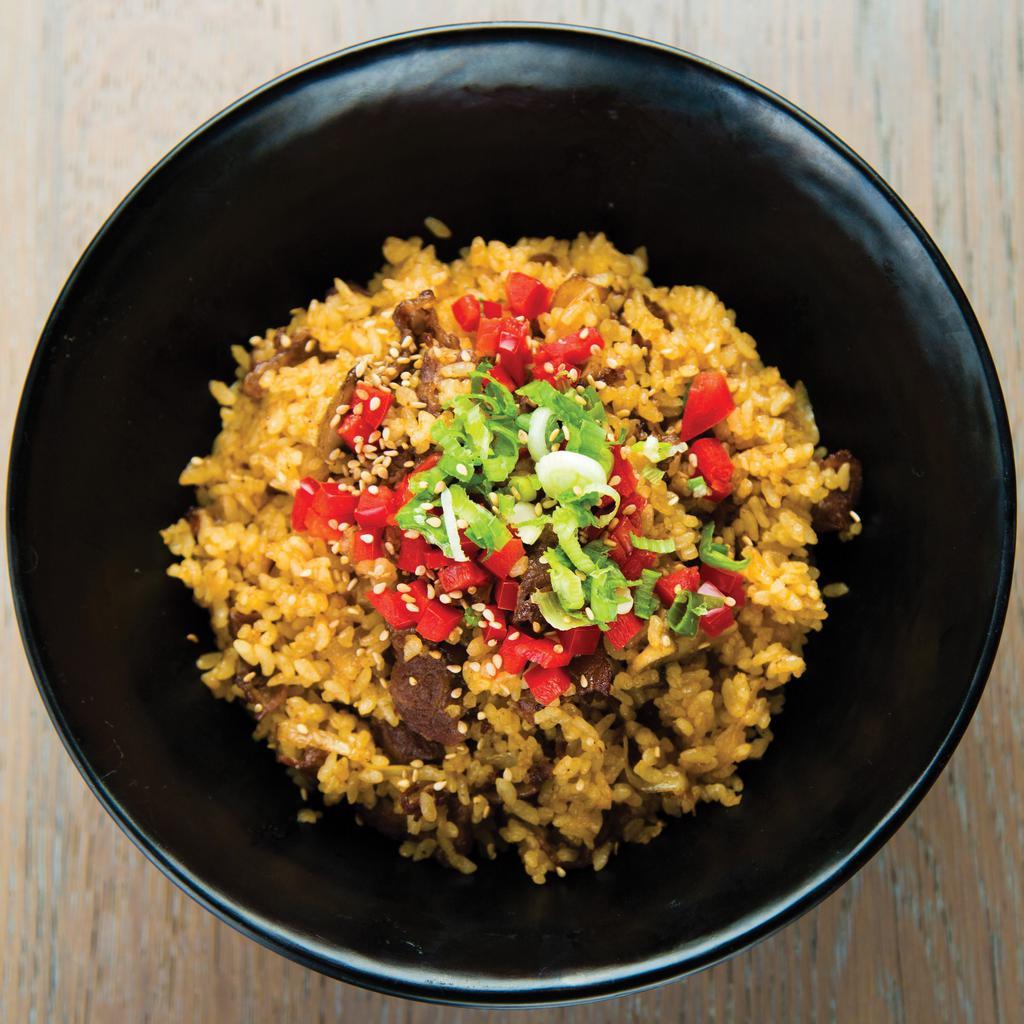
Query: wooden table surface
point(930, 93)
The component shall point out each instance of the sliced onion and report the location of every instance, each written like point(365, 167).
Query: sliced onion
point(522, 514)
point(451, 527)
point(537, 439)
point(562, 472)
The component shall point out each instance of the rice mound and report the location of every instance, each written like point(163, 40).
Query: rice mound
point(683, 713)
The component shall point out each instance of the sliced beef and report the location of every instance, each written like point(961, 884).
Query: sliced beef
point(402, 745)
point(833, 513)
point(544, 257)
point(526, 707)
point(266, 698)
point(536, 775)
point(658, 310)
point(237, 619)
point(461, 815)
point(598, 670)
point(421, 689)
point(302, 345)
point(385, 819)
point(418, 317)
point(327, 438)
point(639, 340)
point(535, 578)
point(308, 762)
point(612, 375)
point(442, 376)
point(192, 517)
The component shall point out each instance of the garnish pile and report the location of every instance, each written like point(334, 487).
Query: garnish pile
point(525, 521)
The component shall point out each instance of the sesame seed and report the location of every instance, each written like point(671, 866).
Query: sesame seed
point(383, 635)
point(497, 661)
point(366, 538)
point(302, 730)
point(445, 599)
point(402, 588)
point(463, 728)
point(381, 587)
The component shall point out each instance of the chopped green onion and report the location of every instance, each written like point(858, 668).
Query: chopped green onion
point(684, 614)
point(717, 555)
point(537, 440)
point(657, 451)
point(698, 486)
point(645, 602)
point(565, 524)
point(528, 524)
point(662, 545)
point(525, 487)
point(561, 472)
point(482, 527)
point(471, 618)
point(451, 528)
point(566, 584)
point(414, 515)
point(652, 474)
point(554, 614)
point(587, 438)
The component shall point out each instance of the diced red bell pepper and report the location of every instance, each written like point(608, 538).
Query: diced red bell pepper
point(513, 659)
point(555, 373)
point(487, 335)
point(462, 576)
point(403, 492)
point(624, 629)
point(437, 559)
point(718, 620)
point(714, 465)
point(374, 510)
point(686, 578)
point(731, 584)
point(318, 504)
point(499, 374)
point(632, 507)
point(413, 553)
point(527, 296)
point(506, 595)
point(513, 353)
point(366, 544)
point(466, 311)
point(397, 612)
point(633, 567)
point(501, 562)
point(438, 621)
point(540, 649)
point(623, 469)
point(493, 309)
point(574, 349)
point(369, 408)
point(494, 625)
point(708, 402)
point(582, 640)
point(547, 684)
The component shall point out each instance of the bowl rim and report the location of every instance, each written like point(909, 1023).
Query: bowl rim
point(583, 986)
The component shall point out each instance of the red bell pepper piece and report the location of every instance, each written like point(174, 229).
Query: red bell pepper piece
point(574, 349)
point(632, 507)
point(497, 373)
point(623, 469)
point(369, 408)
point(714, 465)
point(501, 562)
point(686, 578)
point(527, 296)
point(374, 510)
point(438, 621)
point(413, 553)
point(731, 584)
point(437, 559)
point(321, 508)
point(718, 620)
point(403, 492)
point(495, 627)
point(462, 576)
point(493, 309)
point(513, 660)
point(523, 647)
point(398, 612)
point(506, 595)
point(547, 684)
point(466, 311)
point(633, 566)
point(513, 353)
point(582, 640)
point(487, 335)
point(708, 402)
point(366, 544)
point(624, 629)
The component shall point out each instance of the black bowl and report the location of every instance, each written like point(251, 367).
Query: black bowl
point(504, 131)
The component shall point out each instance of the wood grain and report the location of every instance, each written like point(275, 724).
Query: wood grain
point(930, 93)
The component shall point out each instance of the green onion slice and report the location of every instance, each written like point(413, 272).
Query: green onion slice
point(717, 555)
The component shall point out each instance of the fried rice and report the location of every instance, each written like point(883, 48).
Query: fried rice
point(301, 645)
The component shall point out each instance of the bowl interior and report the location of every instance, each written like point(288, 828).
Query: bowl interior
point(506, 132)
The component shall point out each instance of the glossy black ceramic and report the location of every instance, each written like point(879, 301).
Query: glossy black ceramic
point(504, 131)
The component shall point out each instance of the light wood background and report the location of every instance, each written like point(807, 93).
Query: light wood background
point(930, 93)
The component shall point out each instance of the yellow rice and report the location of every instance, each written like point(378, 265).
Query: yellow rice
point(314, 629)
